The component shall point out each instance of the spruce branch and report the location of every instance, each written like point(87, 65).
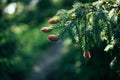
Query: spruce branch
point(114, 6)
point(85, 27)
point(108, 31)
point(77, 30)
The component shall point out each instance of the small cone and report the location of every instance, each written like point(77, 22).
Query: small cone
point(86, 55)
point(53, 20)
point(46, 29)
point(53, 38)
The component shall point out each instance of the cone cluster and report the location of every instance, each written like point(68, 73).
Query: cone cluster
point(51, 37)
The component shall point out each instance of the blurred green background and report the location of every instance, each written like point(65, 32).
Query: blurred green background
point(23, 48)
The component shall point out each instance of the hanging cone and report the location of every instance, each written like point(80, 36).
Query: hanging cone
point(86, 55)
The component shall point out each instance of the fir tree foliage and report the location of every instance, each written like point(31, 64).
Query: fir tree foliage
point(90, 24)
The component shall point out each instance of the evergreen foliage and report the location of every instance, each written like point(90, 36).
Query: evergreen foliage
point(93, 26)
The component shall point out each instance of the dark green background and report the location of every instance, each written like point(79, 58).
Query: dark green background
point(22, 44)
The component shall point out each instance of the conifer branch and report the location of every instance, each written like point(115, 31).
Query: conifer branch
point(85, 27)
point(77, 30)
